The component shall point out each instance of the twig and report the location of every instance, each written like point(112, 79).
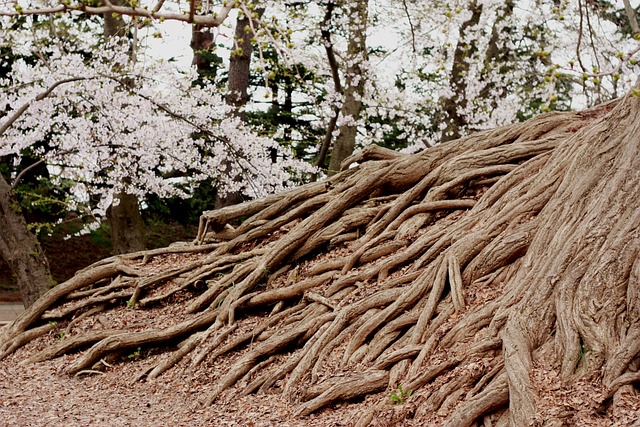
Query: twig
point(209, 20)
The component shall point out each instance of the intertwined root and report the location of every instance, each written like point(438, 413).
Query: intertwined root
point(451, 273)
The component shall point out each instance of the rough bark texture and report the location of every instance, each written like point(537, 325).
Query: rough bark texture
point(465, 50)
point(491, 280)
point(238, 85)
point(354, 85)
point(240, 63)
point(126, 225)
point(114, 24)
point(127, 233)
point(21, 251)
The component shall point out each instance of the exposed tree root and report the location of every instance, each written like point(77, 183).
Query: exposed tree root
point(449, 277)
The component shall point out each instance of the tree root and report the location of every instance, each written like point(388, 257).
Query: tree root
point(453, 273)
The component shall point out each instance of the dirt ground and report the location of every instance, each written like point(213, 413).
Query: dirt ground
point(9, 296)
point(68, 255)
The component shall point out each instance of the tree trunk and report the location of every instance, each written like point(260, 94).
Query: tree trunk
point(21, 250)
point(354, 85)
point(337, 86)
point(127, 228)
point(452, 106)
point(201, 41)
point(240, 63)
point(126, 224)
point(238, 86)
point(114, 25)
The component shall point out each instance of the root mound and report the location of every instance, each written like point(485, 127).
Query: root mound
point(491, 280)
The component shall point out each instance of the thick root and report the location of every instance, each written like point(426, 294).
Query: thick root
point(447, 278)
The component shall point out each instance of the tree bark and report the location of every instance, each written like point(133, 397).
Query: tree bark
point(201, 41)
point(354, 85)
point(501, 273)
point(126, 224)
point(21, 250)
point(337, 85)
point(238, 85)
point(127, 233)
point(451, 106)
point(114, 25)
point(240, 63)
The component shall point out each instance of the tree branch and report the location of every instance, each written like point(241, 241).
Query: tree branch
point(213, 20)
point(413, 33)
point(31, 167)
point(6, 125)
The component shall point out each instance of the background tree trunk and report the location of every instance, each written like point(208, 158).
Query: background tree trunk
point(21, 251)
point(127, 228)
point(325, 32)
point(354, 84)
point(114, 25)
point(238, 85)
point(201, 41)
point(464, 51)
point(240, 63)
point(126, 224)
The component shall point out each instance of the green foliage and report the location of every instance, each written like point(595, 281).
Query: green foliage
point(210, 66)
point(183, 211)
point(135, 355)
point(581, 359)
point(399, 396)
point(289, 121)
point(60, 335)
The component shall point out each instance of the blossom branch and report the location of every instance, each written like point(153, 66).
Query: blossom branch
point(20, 111)
point(31, 167)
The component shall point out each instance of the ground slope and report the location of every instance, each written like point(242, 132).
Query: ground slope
point(489, 280)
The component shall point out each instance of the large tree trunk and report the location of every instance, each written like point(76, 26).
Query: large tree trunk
point(496, 278)
point(452, 106)
point(240, 63)
point(127, 228)
point(21, 250)
point(355, 81)
point(126, 224)
point(238, 86)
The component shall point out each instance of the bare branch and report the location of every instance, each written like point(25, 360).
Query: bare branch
point(31, 167)
point(192, 10)
point(413, 33)
point(24, 172)
point(213, 20)
point(158, 6)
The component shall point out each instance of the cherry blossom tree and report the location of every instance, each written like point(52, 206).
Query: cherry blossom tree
point(113, 126)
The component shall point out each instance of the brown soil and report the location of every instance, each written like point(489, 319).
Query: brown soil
point(66, 256)
point(9, 296)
